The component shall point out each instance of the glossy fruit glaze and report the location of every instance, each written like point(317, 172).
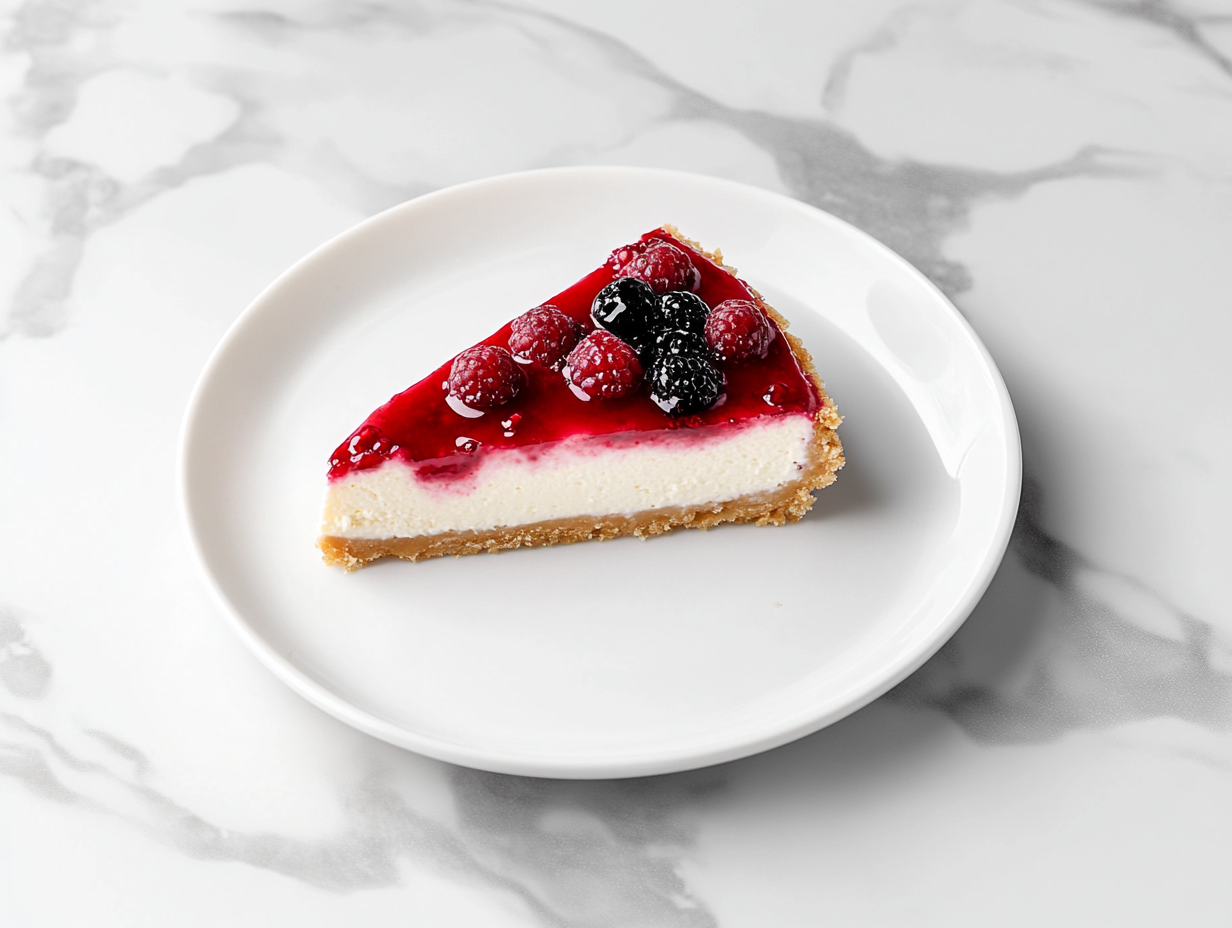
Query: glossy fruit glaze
point(418, 425)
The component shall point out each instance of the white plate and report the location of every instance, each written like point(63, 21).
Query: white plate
point(628, 657)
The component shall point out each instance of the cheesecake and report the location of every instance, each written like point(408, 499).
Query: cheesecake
point(660, 391)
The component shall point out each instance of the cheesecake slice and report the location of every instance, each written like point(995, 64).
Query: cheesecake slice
point(659, 391)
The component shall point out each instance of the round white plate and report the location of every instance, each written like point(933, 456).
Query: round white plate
point(628, 657)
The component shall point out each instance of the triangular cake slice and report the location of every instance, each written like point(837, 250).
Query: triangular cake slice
point(659, 391)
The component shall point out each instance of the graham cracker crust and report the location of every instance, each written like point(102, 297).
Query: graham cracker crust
point(785, 504)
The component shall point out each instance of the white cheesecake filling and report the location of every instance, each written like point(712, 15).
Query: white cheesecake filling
point(572, 478)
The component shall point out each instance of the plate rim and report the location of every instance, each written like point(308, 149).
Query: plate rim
point(632, 764)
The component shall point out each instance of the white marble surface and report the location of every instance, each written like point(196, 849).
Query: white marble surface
point(1062, 169)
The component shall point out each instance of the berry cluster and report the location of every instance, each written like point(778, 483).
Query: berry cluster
point(667, 331)
point(649, 327)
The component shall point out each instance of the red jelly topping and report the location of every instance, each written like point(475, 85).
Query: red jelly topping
point(419, 426)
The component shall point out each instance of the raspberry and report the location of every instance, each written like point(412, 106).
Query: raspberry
point(603, 367)
point(681, 385)
point(621, 257)
point(543, 334)
point(484, 377)
point(738, 331)
point(623, 308)
point(681, 311)
point(660, 264)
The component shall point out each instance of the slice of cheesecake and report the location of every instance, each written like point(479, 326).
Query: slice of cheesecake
point(659, 391)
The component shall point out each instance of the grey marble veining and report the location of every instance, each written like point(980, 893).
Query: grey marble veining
point(912, 207)
point(1074, 666)
point(572, 853)
point(1100, 667)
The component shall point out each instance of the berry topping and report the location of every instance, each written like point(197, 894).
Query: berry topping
point(660, 264)
point(619, 259)
point(421, 426)
point(603, 367)
point(364, 447)
point(777, 394)
point(623, 307)
point(484, 377)
point(679, 311)
point(543, 334)
point(511, 424)
point(370, 440)
point(738, 331)
point(681, 385)
point(680, 342)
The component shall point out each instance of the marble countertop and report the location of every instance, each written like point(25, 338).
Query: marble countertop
point(1062, 169)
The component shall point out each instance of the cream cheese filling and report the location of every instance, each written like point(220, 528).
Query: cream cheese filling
point(568, 479)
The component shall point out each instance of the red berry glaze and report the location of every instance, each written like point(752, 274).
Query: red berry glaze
point(603, 367)
point(422, 430)
point(369, 440)
point(544, 335)
point(366, 445)
point(737, 331)
point(485, 377)
point(660, 264)
point(777, 394)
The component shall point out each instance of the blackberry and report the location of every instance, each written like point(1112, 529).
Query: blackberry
point(623, 308)
point(682, 385)
point(681, 311)
point(679, 342)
